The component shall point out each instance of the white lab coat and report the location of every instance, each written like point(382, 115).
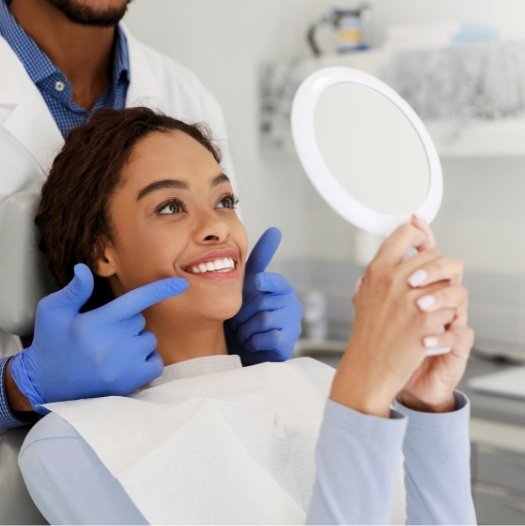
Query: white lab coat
point(30, 138)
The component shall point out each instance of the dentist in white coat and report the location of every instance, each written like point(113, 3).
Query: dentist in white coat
point(60, 60)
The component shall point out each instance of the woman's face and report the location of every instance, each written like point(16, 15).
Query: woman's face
point(173, 215)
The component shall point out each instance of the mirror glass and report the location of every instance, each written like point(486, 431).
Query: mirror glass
point(365, 150)
point(382, 164)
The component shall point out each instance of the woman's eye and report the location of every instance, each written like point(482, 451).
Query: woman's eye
point(173, 207)
point(228, 201)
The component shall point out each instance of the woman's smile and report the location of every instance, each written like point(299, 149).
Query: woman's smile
point(217, 265)
point(175, 213)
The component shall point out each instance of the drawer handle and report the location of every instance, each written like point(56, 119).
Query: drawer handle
point(502, 455)
point(516, 504)
point(501, 493)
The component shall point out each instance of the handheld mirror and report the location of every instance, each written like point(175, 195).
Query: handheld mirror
point(366, 151)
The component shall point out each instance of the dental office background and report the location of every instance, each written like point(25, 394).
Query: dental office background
point(465, 75)
point(234, 45)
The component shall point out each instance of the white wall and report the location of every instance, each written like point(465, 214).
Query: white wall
point(224, 41)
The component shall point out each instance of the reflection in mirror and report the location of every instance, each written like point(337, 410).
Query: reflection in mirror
point(371, 148)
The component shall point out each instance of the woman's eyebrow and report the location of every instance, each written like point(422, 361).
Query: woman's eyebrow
point(160, 185)
point(175, 183)
point(218, 179)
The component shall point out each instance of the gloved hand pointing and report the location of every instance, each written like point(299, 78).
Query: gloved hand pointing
point(269, 322)
point(102, 352)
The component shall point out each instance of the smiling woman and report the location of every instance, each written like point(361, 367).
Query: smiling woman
point(159, 206)
point(138, 197)
point(104, 166)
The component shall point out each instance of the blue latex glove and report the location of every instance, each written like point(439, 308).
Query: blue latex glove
point(269, 322)
point(102, 352)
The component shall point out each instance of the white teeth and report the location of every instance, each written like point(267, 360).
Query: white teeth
point(217, 265)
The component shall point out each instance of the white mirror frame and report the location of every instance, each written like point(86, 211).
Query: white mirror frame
point(303, 131)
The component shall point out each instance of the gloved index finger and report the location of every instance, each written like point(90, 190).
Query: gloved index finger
point(141, 298)
point(263, 251)
point(273, 283)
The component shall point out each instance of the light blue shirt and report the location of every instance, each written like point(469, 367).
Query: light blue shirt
point(357, 462)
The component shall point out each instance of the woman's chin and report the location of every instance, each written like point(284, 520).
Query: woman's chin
point(219, 310)
point(228, 311)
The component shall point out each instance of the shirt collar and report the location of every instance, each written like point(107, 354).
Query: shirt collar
point(197, 367)
point(35, 61)
point(38, 65)
point(120, 57)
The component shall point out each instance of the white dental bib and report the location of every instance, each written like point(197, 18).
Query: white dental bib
point(211, 442)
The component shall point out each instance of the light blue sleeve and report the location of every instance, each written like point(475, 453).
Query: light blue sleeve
point(437, 466)
point(357, 459)
point(71, 492)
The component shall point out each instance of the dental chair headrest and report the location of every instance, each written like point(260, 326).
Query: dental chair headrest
point(24, 278)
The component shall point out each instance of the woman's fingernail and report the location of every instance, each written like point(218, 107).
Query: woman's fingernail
point(426, 303)
point(430, 342)
point(417, 278)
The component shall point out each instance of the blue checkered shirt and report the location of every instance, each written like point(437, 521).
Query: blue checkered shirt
point(7, 419)
point(58, 95)
point(54, 85)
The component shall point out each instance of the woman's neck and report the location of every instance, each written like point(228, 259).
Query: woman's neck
point(177, 343)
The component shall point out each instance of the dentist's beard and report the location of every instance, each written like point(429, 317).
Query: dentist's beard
point(88, 15)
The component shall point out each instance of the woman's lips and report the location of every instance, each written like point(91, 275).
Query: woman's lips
point(218, 265)
point(214, 265)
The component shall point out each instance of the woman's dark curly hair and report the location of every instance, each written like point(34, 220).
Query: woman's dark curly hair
point(73, 215)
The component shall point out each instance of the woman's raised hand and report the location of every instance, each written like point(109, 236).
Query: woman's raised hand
point(431, 386)
point(401, 308)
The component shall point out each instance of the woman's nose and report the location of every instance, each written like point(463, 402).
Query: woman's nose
point(212, 229)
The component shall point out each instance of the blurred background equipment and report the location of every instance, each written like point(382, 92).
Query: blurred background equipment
point(348, 26)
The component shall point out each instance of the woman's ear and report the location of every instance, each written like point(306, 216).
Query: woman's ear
point(104, 260)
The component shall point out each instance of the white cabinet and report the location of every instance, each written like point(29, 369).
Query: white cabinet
point(498, 472)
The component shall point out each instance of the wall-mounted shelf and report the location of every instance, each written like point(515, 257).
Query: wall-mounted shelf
point(471, 97)
point(501, 138)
